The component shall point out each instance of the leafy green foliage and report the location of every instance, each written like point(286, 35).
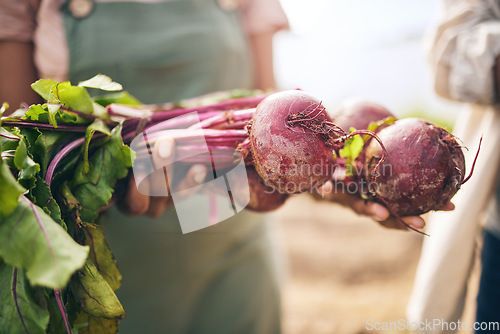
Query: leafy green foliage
point(102, 82)
point(97, 125)
point(11, 190)
point(44, 145)
point(352, 148)
point(52, 256)
point(44, 88)
point(4, 107)
point(19, 311)
point(26, 166)
point(95, 295)
point(101, 255)
point(53, 115)
point(120, 97)
point(46, 231)
point(87, 324)
point(354, 145)
point(93, 186)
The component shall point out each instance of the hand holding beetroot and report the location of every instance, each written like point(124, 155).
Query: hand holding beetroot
point(410, 167)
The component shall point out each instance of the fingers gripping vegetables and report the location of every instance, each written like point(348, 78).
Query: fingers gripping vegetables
point(263, 198)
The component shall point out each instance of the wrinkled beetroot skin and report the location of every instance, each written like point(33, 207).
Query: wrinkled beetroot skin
point(263, 198)
point(287, 155)
point(358, 114)
point(423, 170)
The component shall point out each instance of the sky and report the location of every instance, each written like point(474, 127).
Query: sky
point(337, 49)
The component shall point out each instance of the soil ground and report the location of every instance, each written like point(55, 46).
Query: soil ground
point(343, 270)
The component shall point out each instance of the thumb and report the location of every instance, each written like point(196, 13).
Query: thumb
point(163, 152)
point(189, 185)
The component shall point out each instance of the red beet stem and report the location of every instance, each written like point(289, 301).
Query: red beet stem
point(225, 118)
point(384, 151)
point(474, 162)
point(45, 126)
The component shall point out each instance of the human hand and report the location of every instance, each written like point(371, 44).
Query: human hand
point(152, 196)
point(376, 211)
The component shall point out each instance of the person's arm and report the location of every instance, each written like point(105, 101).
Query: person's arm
point(262, 55)
point(17, 67)
point(18, 72)
point(138, 202)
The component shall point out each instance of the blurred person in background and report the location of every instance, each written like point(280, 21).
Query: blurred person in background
point(464, 53)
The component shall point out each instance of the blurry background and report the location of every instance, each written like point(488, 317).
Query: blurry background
point(344, 270)
point(373, 48)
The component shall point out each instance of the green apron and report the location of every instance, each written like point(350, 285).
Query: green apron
point(220, 279)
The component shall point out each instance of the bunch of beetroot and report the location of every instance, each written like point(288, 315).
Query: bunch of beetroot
point(62, 161)
point(291, 144)
point(410, 165)
point(423, 166)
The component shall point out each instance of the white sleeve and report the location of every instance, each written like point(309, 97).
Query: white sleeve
point(463, 49)
point(462, 52)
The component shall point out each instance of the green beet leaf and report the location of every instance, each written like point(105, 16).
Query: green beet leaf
point(37, 112)
point(52, 111)
point(45, 113)
point(375, 125)
point(26, 166)
point(3, 108)
point(108, 163)
point(102, 82)
point(352, 148)
point(87, 324)
point(44, 87)
point(30, 239)
point(11, 190)
point(44, 145)
point(120, 97)
point(41, 196)
point(94, 294)
point(53, 114)
point(99, 126)
point(73, 97)
point(101, 255)
point(19, 312)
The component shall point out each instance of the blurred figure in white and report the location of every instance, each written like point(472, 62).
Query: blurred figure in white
point(464, 55)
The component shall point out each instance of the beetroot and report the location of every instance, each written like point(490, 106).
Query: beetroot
point(359, 113)
point(423, 169)
point(290, 143)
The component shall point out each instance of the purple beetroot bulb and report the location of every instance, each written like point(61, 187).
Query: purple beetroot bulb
point(289, 143)
point(423, 170)
point(358, 113)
